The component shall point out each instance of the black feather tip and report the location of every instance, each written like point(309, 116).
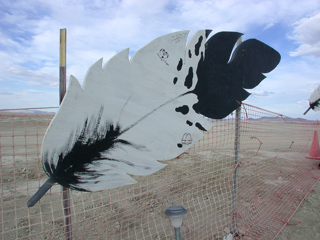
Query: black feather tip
point(221, 79)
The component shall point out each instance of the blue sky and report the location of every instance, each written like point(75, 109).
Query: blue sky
point(29, 42)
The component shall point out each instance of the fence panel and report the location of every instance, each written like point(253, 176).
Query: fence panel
point(273, 178)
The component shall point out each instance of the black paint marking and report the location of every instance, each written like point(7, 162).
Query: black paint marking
point(189, 77)
point(198, 125)
point(180, 64)
point(94, 138)
point(186, 139)
point(183, 109)
point(175, 80)
point(189, 123)
point(179, 145)
point(190, 54)
point(315, 104)
point(208, 32)
point(197, 46)
point(163, 55)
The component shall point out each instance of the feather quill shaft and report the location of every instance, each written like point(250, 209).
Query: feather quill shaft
point(42, 190)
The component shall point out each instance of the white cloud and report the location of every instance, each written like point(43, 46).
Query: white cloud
point(6, 93)
point(260, 93)
point(21, 75)
point(307, 35)
point(292, 83)
point(28, 98)
point(303, 102)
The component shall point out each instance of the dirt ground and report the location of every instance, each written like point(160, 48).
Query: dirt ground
point(201, 180)
point(305, 224)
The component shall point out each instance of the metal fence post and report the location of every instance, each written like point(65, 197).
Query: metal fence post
point(235, 173)
point(62, 92)
point(234, 210)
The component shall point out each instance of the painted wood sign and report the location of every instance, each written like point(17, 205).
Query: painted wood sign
point(131, 113)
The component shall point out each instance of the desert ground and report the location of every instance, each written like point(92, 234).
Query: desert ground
point(272, 179)
point(308, 216)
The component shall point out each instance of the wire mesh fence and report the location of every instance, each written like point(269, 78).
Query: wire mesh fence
point(273, 178)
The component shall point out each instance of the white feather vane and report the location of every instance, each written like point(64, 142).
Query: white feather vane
point(314, 100)
point(130, 114)
point(136, 95)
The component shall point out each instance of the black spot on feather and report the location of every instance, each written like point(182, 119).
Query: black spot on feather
point(198, 125)
point(183, 109)
point(197, 46)
point(180, 64)
point(188, 82)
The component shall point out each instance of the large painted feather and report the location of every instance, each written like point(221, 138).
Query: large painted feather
point(131, 113)
point(314, 101)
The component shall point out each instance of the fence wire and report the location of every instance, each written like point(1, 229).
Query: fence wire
point(273, 178)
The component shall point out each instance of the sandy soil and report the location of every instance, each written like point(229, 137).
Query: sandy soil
point(305, 224)
point(272, 158)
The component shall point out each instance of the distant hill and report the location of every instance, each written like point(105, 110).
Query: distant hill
point(281, 119)
point(27, 111)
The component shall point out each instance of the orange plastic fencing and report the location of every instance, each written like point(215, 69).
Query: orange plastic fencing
point(255, 198)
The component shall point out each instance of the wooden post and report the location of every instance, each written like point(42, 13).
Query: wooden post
point(62, 64)
point(234, 210)
point(62, 92)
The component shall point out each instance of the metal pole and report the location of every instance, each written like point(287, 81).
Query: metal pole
point(62, 92)
point(177, 233)
point(62, 64)
point(233, 229)
point(175, 213)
